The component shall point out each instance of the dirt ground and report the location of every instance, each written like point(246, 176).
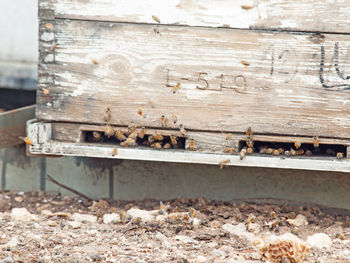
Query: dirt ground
point(52, 234)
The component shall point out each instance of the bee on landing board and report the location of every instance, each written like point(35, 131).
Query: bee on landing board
point(242, 153)
point(156, 145)
point(191, 144)
point(142, 133)
point(133, 135)
point(131, 127)
point(228, 150)
point(115, 152)
point(297, 144)
point(316, 142)
point(163, 121)
point(173, 140)
point(167, 146)
point(223, 163)
point(158, 137)
point(130, 142)
point(120, 136)
point(340, 155)
point(140, 112)
point(250, 150)
point(27, 140)
point(109, 132)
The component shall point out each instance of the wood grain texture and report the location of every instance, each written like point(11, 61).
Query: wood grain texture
point(277, 83)
point(303, 15)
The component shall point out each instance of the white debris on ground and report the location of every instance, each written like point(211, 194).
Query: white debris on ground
point(66, 229)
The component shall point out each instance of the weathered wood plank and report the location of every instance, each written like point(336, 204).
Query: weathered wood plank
point(304, 15)
point(293, 85)
point(13, 125)
point(104, 151)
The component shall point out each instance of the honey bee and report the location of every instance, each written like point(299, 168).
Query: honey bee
point(46, 91)
point(275, 152)
point(297, 144)
point(223, 163)
point(139, 112)
point(156, 18)
point(229, 136)
point(119, 136)
point(123, 144)
point(249, 133)
point(300, 152)
point(242, 153)
point(175, 88)
point(114, 152)
point(131, 127)
point(167, 146)
point(292, 152)
point(94, 61)
point(130, 142)
point(308, 153)
point(97, 135)
point(48, 25)
point(228, 150)
point(340, 155)
point(108, 114)
point(158, 137)
point(251, 219)
point(133, 135)
point(245, 63)
point(174, 118)
point(27, 140)
point(182, 129)
point(250, 150)
point(173, 140)
point(269, 150)
point(163, 121)
point(137, 221)
point(280, 150)
point(157, 145)
point(316, 142)
point(287, 153)
point(142, 133)
point(246, 7)
point(151, 139)
point(249, 143)
point(262, 149)
point(109, 132)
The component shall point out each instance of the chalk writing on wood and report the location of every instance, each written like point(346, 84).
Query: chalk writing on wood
point(338, 71)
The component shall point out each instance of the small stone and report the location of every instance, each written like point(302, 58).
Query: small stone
point(196, 222)
point(51, 223)
point(253, 228)
point(159, 236)
point(45, 212)
point(20, 193)
point(215, 224)
point(13, 242)
point(111, 218)
point(22, 214)
point(239, 230)
point(74, 224)
point(319, 241)
point(144, 215)
point(201, 259)
point(217, 253)
point(300, 220)
point(19, 199)
point(186, 239)
point(84, 218)
point(7, 260)
point(161, 218)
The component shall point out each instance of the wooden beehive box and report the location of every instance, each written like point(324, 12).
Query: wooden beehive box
point(203, 71)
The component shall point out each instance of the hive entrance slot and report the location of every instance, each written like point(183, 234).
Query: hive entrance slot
point(137, 138)
point(290, 149)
